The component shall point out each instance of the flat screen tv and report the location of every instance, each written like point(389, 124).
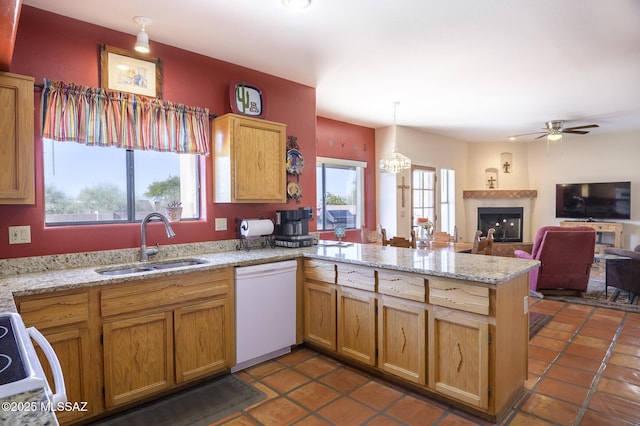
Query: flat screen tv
point(605, 200)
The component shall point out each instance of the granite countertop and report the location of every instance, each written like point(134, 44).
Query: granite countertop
point(485, 269)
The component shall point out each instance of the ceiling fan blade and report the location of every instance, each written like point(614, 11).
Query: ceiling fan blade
point(588, 126)
point(542, 136)
point(576, 132)
point(527, 134)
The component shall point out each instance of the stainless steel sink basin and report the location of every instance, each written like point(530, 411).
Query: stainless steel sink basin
point(147, 267)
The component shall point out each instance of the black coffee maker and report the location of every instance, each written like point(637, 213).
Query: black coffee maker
point(292, 227)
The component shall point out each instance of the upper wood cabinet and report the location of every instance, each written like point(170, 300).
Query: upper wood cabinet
point(17, 183)
point(249, 160)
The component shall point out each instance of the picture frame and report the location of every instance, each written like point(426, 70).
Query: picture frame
point(131, 72)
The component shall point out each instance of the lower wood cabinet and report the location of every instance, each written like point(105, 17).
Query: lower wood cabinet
point(402, 339)
point(320, 314)
point(357, 325)
point(459, 356)
point(120, 343)
point(138, 357)
point(184, 337)
point(202, 338)
point(63, 318)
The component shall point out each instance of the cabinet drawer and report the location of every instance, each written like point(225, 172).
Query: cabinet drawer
point(53, 310)
point(320, 271)
point(405, 286)
point(356, 277)
point(169, 290)
point(459, 296)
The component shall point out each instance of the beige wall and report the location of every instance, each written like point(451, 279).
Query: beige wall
point(596, 157)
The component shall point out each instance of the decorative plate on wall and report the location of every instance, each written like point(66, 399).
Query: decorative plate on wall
point(293, 190)
point(295, 162)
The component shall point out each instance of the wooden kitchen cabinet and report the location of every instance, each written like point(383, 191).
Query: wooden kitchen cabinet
point(202, 338)
point(402, 331)
point(320, 303)
point(459, 356)
point(320, 314)
point(249, 160)
point(17, 184)
point(166, 331)
point(63, 319)
point(138, 357)
point(357, 325)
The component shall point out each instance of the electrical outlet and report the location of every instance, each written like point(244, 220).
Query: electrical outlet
point(19, 234)
point(221, 224)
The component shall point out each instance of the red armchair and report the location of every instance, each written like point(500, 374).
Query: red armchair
point(565, 255)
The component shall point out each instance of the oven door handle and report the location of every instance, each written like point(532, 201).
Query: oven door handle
point(61, 394)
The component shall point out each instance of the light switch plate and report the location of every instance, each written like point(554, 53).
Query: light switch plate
point(19, 234)
point(221, 224)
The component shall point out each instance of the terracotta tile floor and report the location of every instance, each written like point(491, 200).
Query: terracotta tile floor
point(584, 369)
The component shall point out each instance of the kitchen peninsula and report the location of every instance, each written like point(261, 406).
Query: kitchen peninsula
point(451, 325)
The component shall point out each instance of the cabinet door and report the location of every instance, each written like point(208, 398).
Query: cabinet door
point(320, 315)
point(203, 339)
point(138, 357)
point(260, 155)
point(17, 184)
point(402, 329)
point(459, 356)
point(72, 349)
point(357, 325)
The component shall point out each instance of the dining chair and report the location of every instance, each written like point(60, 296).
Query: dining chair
point(399, 241)
point(483, 245)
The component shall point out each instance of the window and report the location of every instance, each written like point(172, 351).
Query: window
point(448, 200)
point(423, 199)
point(340, 192)
point(90, 185)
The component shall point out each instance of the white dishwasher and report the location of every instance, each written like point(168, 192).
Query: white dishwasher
point(265, 312)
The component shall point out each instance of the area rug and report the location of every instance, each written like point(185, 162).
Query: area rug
point(595, 296)
point(537, 321)
point(198, 406)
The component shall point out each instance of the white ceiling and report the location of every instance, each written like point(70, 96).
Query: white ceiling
point(476, 70)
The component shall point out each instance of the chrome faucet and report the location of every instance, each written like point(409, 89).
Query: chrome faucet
point(144, 251)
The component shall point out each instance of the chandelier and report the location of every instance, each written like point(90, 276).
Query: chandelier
point(397, 162)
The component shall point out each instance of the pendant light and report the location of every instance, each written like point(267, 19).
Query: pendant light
point(397, 162)
point(142, 41)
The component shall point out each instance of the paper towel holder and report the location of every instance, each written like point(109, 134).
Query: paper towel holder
point(243, 242)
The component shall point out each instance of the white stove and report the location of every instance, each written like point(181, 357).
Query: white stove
point(20, 369)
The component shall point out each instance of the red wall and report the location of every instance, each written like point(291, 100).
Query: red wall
point(59, 48)
point(336, 139)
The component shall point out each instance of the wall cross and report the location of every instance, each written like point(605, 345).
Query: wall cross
point(402, 188)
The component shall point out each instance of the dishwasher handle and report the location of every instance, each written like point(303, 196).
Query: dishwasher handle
point(265, 269)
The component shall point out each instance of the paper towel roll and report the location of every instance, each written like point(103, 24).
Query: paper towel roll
point(256, 227)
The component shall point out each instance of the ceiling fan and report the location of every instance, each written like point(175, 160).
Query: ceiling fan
point(555, 129)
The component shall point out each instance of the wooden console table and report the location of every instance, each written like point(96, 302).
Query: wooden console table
point(601, 228)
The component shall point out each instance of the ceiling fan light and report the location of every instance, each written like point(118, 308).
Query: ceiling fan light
point(554, 136)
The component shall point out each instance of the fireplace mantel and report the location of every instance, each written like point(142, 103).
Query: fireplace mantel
point(500, 193)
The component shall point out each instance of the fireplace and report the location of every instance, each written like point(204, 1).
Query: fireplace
point(507, 222)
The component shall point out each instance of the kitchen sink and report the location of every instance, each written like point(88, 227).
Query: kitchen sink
point(148, 267)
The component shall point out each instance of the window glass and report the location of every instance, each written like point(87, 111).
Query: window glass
point(85, 184)
point(340, 192)
point(448, 200)
point(423, 182)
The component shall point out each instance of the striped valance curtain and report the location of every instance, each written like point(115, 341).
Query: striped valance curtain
point(100, 117)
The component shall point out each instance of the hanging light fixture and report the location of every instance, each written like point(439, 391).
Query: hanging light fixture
point(396, 162)
point(142, 41)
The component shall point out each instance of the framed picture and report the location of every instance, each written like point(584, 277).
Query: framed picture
point(131, 72)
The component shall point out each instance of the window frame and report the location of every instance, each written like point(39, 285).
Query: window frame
point(360, 167)
point(431, 170)
point(131, 193)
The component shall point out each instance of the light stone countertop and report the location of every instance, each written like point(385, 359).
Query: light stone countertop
point(27, 276)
